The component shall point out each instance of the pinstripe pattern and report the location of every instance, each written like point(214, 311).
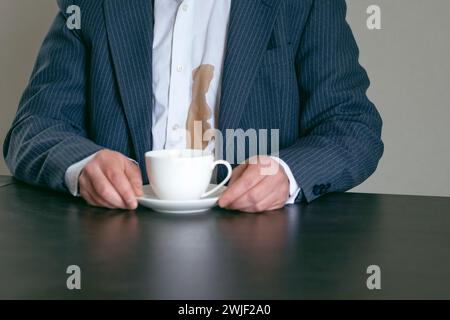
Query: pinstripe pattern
point(290, 65)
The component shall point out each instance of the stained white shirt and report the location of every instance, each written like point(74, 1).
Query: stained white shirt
point(189, 36)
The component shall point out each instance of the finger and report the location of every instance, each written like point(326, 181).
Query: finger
point(120, 182)
point(271, 202)
point(249, 178)
point(104, 189)
point(86, 187)
point(237, 172)
point(135, 177)
point(272, 190)
point(94, 201)
point(87, 197)
point(255, 195)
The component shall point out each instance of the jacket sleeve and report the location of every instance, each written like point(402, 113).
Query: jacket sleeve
point(340, 129)
point(49, 132)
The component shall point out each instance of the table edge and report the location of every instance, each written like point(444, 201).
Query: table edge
point(14, 181)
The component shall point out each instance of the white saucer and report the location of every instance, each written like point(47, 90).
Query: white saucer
point(150, 200)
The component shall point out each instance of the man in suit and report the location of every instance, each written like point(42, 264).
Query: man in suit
point(138, 71)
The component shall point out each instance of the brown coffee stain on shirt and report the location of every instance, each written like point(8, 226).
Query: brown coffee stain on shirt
point(199, 111)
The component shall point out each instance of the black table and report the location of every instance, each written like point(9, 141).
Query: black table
point(4, 181)
point(321, 250)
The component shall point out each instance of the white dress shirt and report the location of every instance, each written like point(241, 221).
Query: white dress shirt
point(188, 53)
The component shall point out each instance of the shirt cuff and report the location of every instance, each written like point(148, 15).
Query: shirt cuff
point(73, 174)
point(294, 188)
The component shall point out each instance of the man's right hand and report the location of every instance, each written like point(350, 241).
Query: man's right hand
point(111, 180)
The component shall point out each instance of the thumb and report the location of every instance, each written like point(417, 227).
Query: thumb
point(237, 172)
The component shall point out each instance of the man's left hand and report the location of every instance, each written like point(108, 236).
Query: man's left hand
point(255, 188)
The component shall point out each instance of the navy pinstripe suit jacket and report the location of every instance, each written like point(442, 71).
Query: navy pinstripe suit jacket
point(290, 65)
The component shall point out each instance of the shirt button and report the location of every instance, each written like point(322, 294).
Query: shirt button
point(175, 127)
point(185, 7)
point(180, 68)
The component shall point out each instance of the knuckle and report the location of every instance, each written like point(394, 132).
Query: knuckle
point(247, 184)
point(127, 194)
point(103, 156)
point(82, 181)
point(115, 177)
point(88, 169)
point(99, 156)
point(104, 152)
point(102, 190)
point(117, 156)
point(108, 172)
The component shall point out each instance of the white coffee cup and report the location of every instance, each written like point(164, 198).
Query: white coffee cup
point(183, 174)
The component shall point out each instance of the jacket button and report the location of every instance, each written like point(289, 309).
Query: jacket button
point(317, 189)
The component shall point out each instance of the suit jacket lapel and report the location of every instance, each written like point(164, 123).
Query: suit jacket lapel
point(250, 27)
point(130, 35)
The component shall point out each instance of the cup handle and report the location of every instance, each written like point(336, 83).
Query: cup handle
point(230, 171)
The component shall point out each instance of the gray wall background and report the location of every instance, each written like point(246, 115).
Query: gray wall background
point(407, 61)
